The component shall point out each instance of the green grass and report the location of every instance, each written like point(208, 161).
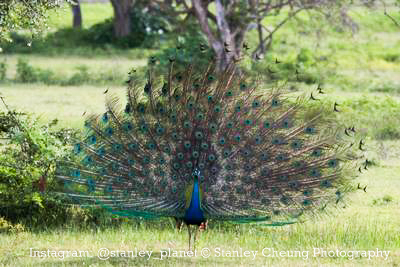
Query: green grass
point(68, 65)
point(67, 104)
point(365, 223)
point(92, 13)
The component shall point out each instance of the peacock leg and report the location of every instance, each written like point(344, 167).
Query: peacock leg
point(190, 234)
point(195, 237)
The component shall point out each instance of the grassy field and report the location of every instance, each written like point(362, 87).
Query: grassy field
point(361, 71)
point(369, 221)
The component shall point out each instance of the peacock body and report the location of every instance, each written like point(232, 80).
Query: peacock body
point(197, 144)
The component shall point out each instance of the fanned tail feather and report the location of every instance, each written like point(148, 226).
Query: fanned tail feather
point(264, 155)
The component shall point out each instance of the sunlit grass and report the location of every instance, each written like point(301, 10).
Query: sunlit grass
point(92, 13)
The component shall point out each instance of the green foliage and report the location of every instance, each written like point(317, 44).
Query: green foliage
point(378, 117)
point(385, 200)
point(15, 15)
point(3, 71)
point(147, 31)
point(29, 153)
point(8, 227)
point(26, 73)
point(184, 47)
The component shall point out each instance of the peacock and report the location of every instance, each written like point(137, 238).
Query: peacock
point(197, 143)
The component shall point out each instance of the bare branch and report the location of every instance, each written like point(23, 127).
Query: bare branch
point(269, 36)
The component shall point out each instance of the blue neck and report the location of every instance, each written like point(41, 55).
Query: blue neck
point(194, 214)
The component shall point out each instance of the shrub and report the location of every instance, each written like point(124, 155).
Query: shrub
point(28, 157)
point(25, 72)
point(3, 71)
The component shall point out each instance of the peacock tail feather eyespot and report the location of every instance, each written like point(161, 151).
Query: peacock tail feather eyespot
point(199, 135)
point(195, 154)
point(315, 172)
point(243, 86)
point(256, 103)
point(146, 160)
point(210, 98)
point(316, 152)
point(229, 125)
point(190, 105)
point(164, 89)
point(128, 108)
point(187, 144)
point(189, 164)
point(179, 77)
point(294, 185)
point(286, 123)
point(200, 116)
point(229, 93)
point(180, 156)
point(296, 144)
point(264, 156)
point(105, 118)
point(226, 153)
point(116, 147)
point(275, 102)
point(213, 127)
point(307, 202)
point(109, 131)
point(151, 145)
point(281, 157)
point(196, 86)
point(92, 140)
point(237, 137)
point(175, 136)
point(127, 127)
point(211, 157)
point(217, 109)
point(310, 130)
point(101, 151)
point(133, 146)
point(204, 146)
point(267, 124)
point(141, 108)
point(77, 148)
point(326, 184)
point(333, 163)
point(238, 107)
point(221, 141)
point(177, 96)
point(160, 130)
point(187, 124)
point(247, 122)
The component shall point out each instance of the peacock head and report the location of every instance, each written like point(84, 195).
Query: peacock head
point(197, 176)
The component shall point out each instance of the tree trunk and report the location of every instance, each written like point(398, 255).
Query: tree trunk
point(122, 19)
point(77, 15)
point(228, 44)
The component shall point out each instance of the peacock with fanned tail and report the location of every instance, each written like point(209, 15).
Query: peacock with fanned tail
point(199, 144)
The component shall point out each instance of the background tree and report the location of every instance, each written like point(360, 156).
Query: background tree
point(225, 23)
point(122, 19)
point(76, 14)
point(15, 14)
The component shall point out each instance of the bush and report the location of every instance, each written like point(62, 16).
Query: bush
point(3, 71)
point(7, 227)
point(377, 117)
point(25, 72)
point(29, 153)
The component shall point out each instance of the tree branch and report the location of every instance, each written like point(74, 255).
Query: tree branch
point(269, 36)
